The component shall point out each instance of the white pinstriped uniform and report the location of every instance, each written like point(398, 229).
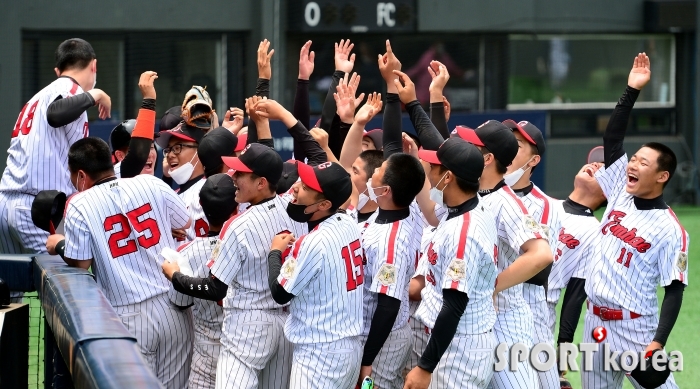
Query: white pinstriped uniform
point(208, 316)
point(639, 249)
point(123, 225)
point(37, 160)
point(577, 245)
point(461, 256)
point(514, 320)
point(324, 273)
point(391, 250)
point(542, 208)
point(200, 224)
point(118, 169)
point(254, 350)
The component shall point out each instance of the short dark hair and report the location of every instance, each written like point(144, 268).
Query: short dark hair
point(272, 187)
point(90, 155)
point(373, 159)
point(463, 185)
point(405, 176)
point(667, 159)
point(74, 53)
point(499, 166)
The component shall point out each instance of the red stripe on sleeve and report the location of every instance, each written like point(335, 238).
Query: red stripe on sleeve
point(391, 249)
point(462, 243)
point(545, 210)
point(74, 88)
point(297, 245)
point(685, 243)
point(510, 192)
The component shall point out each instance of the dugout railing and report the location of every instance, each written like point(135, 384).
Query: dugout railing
point(85, 343)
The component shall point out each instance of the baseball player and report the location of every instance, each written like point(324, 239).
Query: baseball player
point(642, 245)
point(457, 301)
point(132, 143)
point(322, 280)
point(119, 227)
point(531, 147)
point(48, 124)
point(217, 198)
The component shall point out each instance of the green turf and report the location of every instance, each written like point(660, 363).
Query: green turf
point(683, 337)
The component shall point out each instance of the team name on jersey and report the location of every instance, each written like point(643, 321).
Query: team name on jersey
point(568, 240)
point(432, 255)
point(621, 232)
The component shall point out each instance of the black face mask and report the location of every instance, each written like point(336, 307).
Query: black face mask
point(296, 212)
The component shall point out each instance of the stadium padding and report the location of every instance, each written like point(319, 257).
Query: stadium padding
point(96, 346)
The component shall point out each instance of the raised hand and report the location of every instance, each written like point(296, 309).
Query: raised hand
point(353, 84)
point(321, 137)
point(344, 61)
point(372, 107)
point(345, 101)
point(148, 91)
point(440, 76)
point(233, 120)
point(103, 102)
point(409, 145)
point(306, 61)
point(269, 109)
point(388, 63)
point(264, 59)
point(641, 72)
point(251, 107)
point(448, 108)
point(407, 91)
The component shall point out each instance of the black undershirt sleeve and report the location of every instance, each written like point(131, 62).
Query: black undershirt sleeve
point(64, 111)
point(617, 126)
point(437, 116)
point(429, 136)
point(382, 321)
point(267, 142)
point(206, 288)
point(262, 89)
point(302, 112)
point(330, 121)
point(391, 126)
point(139, 148)
point(274, 265)
point(453, 306)
point(571, 307)
point(670, 308)
point(541, 278)
point(307, 144)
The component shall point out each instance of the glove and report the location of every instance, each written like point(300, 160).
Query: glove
point(197, 108)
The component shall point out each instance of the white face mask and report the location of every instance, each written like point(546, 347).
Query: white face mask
point(183, 173)
point(76, 184)
point(362, 201)
point(370, 191)
point(94, 82)
point(436, 194)
point(512, 178)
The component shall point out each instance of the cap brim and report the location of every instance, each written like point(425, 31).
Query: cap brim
point(515, 126)
point(470, 136)
point(242, 141)
point(164, 138)
point(596, 155)
point(429, 156)
point(236, 164)
point(308, 176)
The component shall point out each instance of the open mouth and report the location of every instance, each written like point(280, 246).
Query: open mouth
point(174, 165)
point(149, 165)
point(632, 178)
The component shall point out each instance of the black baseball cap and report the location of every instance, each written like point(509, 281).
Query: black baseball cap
point(182, 131)
point(460, 157)
point(328, 178)
point(376, 137)
point(215, 144)
point(120, 136)
point(596, 155)
point(217, 197)
point(493, 135)
point(258, 159)
point(290, 175)
point(171, 118)
point(530, 132)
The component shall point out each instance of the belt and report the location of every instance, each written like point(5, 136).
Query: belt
point(281, 309)
point(611, 314)
point(429, 330)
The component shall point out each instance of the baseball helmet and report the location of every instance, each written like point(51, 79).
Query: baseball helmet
point(47, 209)
point(650, 377)
point(121, 135)
point(4, 293)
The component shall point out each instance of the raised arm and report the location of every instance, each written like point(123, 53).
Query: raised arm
point(64, 111)
point(352, 147)
point(440, 76)
point(428, 135)
point(142, 135)
point(261, 121)
point(262, 88)
point(391, 125)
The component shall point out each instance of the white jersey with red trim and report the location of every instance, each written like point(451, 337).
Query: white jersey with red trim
point(324, 273)
point(461, 256)
point(38, 155)
point(640, 249)
point(515, 227)
point(123, 225)
point(543, 209)
point(200, 224)
point(240, 261)
point(577, 245)
point(390, 250)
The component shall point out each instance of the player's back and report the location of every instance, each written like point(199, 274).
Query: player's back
point(200, 225)
point(544, 210)
point(126, 223)
point(328, 306)
point(38, 155)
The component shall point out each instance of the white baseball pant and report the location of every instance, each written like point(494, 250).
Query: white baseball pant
point(326, 365)
point(419, 339)
point(536, 298)
point(387, 368)
point(205, 354)
point(467, 363)
point(514, 326)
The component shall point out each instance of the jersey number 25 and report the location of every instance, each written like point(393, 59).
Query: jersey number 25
point(352, 254)
point(125, 223)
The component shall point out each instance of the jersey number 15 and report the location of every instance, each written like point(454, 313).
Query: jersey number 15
point(125, 223)
point(352, 254)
